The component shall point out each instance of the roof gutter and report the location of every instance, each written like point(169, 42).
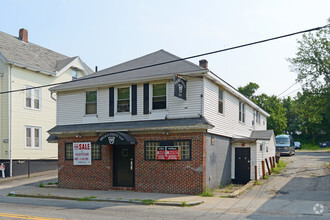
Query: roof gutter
point(22, 65)
point(236, 93)
point(124, 81)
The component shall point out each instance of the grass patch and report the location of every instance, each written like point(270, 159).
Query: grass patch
point(41, 184)
point(279, 167)
point(148, 201)
point(207, 193)
point(145, 201)
point(88, 198)
point(313, 147)
point(183, 204)
point(266, 177)
point(257, 182)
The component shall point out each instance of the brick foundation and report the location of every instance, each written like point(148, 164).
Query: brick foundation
point(180, 177)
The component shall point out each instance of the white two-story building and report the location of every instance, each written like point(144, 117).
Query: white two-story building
point(27, 110)
point(157, 123)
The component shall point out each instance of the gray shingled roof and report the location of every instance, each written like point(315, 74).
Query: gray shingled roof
point(131, 125)
point(160, 56)
point(32, 55)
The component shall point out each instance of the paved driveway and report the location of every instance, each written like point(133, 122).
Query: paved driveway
point(303, 190)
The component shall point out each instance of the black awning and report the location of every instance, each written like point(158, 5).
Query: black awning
point(116, 138)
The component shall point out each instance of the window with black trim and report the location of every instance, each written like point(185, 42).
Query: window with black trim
point(123, 99)
point(150, 148)
point(96, 151)
point(159, 96)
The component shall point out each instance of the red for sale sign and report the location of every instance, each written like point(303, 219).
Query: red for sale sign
point(168, 153)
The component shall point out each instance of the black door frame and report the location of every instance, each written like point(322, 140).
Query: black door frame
point(115, 168)
point(237, 169)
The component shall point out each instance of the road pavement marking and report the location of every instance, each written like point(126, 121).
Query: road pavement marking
point(27, 217)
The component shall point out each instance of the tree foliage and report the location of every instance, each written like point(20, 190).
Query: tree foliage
point(312, 61)
point(312, 64)
point(249, 89)
point(273, 105)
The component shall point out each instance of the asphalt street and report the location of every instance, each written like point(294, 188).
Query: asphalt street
point(302, 191)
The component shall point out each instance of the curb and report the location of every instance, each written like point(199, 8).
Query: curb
point(241, 190)
point(134, 201)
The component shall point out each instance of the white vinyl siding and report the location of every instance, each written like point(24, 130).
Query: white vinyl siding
point(226, 124)
point(71, 108)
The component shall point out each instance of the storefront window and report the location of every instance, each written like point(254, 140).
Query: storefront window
point(150, 148)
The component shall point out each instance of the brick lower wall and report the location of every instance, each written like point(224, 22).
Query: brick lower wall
point(98, 176)
point(180, 177)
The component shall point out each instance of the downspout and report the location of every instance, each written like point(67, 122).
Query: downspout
point(51, 96)
point(10, 120)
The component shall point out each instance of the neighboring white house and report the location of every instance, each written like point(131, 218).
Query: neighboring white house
point(25, 116)
point(143, 103)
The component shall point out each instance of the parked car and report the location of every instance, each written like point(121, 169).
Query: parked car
point(297, 145)
point(285, 144)
point(325, 144)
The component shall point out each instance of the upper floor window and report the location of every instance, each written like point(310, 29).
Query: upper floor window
point(91, 102)
point(123, 100)
point(32, 98)
point(241, 116)
point(159, 96)
point(220, 104)
point(32, 137)
point(258, 117)
point(74, 73)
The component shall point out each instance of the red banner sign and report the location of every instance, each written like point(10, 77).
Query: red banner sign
point(168, 153)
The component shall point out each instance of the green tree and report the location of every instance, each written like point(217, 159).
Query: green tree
point(249, 89)
point(312, 64)
point(293, 122)
point(312, 61)
point(273, 105)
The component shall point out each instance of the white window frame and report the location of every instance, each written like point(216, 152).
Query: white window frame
point(76, 73)
point(241, 112)
point(258, 117)
point(33, 91)
point(33, 128)
point(130, 100)
point(96, 102)
point(223, 101)
point(151, 93)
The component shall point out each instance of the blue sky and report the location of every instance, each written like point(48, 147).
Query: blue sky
point(105, 32)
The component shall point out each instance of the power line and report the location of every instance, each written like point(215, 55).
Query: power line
point(172, 61)
point(293, 91)
point(287, 89)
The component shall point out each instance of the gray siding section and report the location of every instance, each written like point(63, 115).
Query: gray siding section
point(218, 161)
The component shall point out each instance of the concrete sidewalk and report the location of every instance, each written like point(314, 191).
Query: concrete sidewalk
point(30, 187)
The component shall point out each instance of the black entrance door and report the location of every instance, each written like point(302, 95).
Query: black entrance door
point(242, 165)
point(123, 166)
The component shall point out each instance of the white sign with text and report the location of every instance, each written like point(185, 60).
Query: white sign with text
point(82, 153)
